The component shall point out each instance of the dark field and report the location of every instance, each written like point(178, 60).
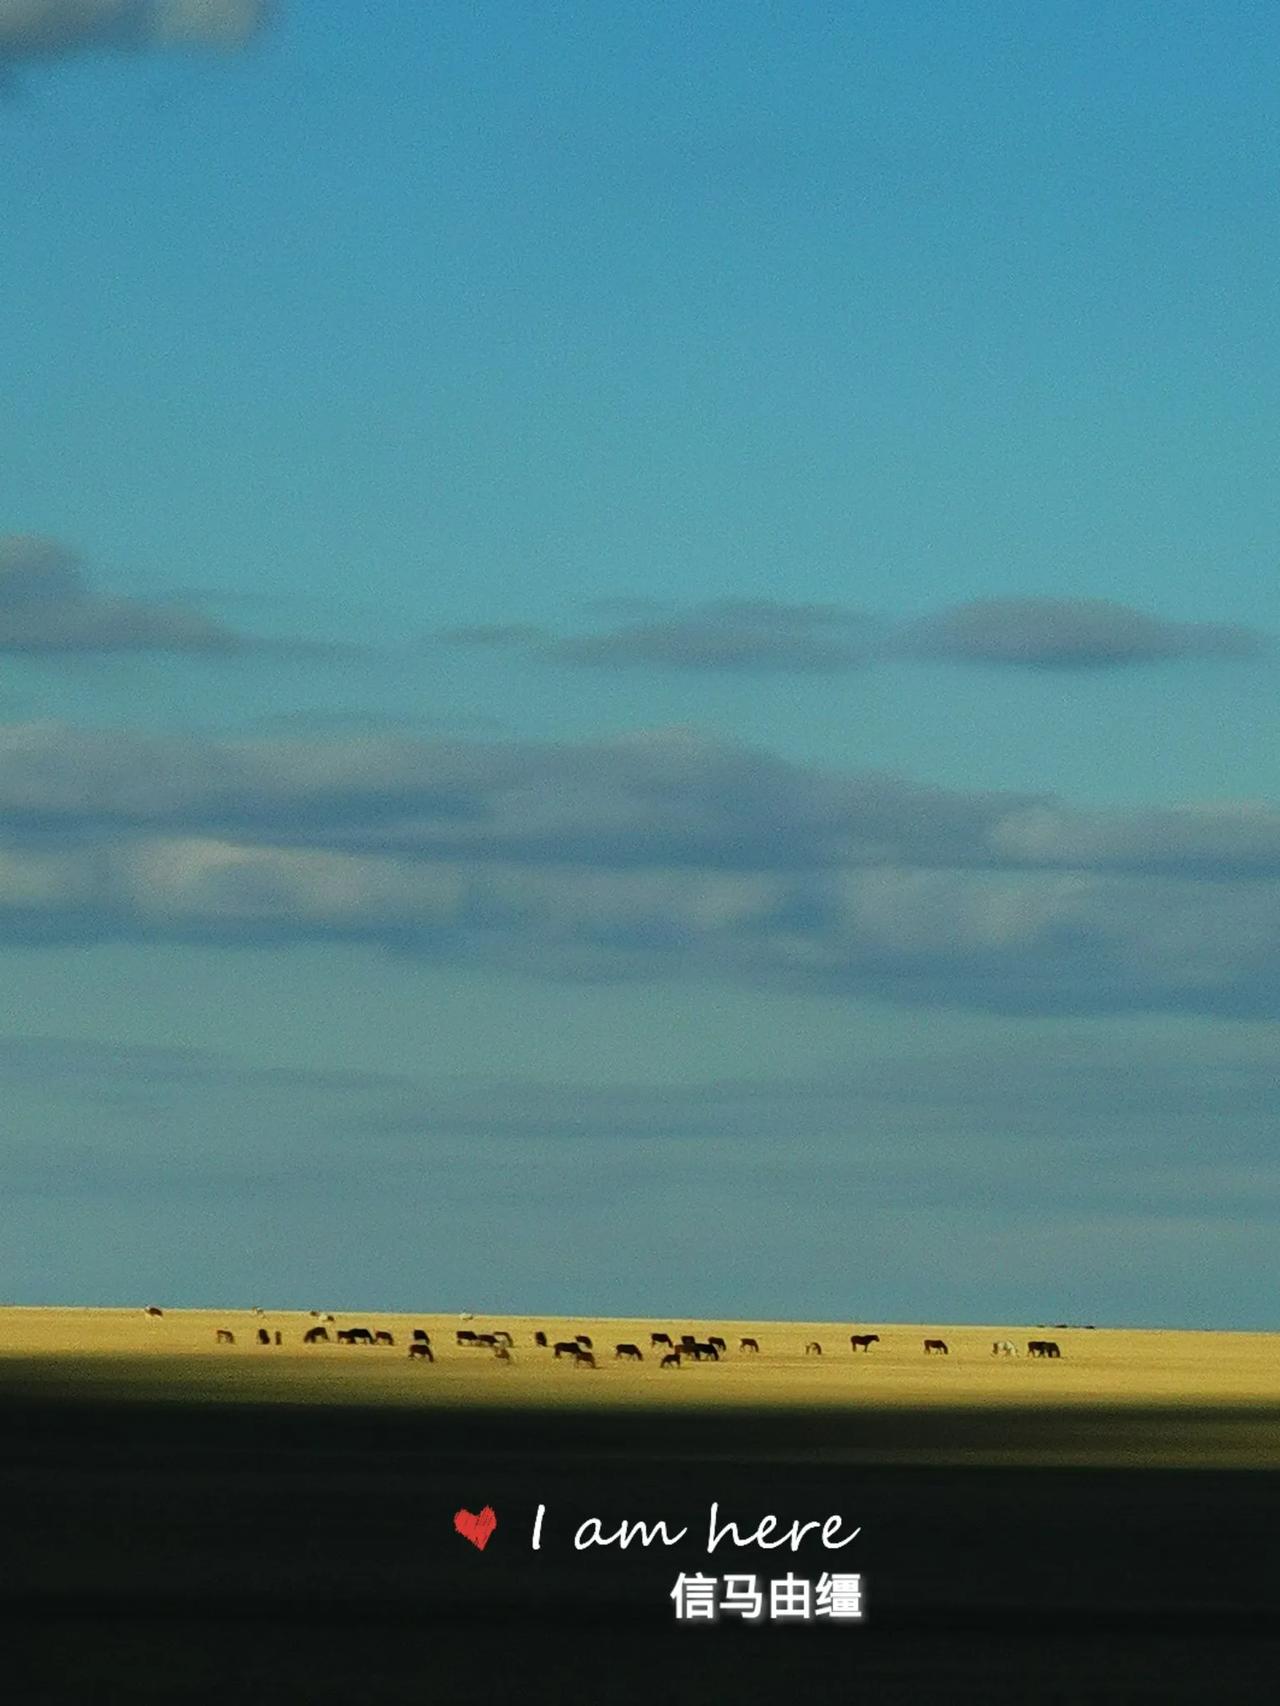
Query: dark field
point(162, 1552)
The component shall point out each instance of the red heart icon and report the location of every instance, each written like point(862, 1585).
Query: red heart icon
point(476, 1529)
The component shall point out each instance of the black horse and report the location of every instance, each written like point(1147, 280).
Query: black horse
point(863, 1341)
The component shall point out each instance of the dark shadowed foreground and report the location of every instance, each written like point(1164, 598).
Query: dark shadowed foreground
point(169, 1552)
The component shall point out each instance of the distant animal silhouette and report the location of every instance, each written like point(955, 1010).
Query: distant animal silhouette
point(633, 1353)
point(279, 1338)
point(264, 1338)
point(1004, 1348)
point(315, 1336)
point(813, 1349)
point(718, 1343)
point(936, 1347)
point(466, 1336)
point(749, 1345)
point(503, 1337)
point(489, 1339)
point(863, 1341)
point(585, 1359)
point(382, 1337)
point(540, 1339)
point(503, 1353)
point(656, 1339)
point(1043, 1348)
point(257, 1311)
point(226, 1336)
point(700, 1351)
point(585, 1342)
point(421, 1350)
point(671, 1360)
point(152, 1313)
point(355, 1336)
point(421, 1336)
point(567, 1348)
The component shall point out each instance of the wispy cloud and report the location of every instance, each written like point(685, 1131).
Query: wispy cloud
point(40, 29)
point(1066, 633)
point(48, 607)
point(743, 635)
point(663, 855)
point(763, 635)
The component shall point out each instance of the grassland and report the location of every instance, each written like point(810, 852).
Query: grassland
point(1114, 1396)
point(197, 1522)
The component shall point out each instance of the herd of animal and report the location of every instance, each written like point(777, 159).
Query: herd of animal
point(580, 1350)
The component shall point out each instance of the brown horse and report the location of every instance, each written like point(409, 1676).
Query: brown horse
point(863, 1341)
point(936, 1347)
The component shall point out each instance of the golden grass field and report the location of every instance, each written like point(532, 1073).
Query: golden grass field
point(1098, 1368)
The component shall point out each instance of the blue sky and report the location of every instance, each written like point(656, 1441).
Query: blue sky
point(707, 572)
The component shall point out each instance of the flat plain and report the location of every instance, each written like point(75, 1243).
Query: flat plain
point(194, 1521)
point(1113, 1395)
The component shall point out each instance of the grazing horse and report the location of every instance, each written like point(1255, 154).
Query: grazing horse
point(568, 1348)
point(540, 1339)
point(466, 1336)
point(489, 1339)
point(264, 1338)
point(152, 1313)
point(1043, 1348)
point(503, 1353)
point(656, 1339)
point(749, 1345)
point(315, 1336)
point(699, 1351)
point(421, 1336)
point(936, 1347)
point(225, 1336)
point(503, 1337)
point(382, 1337)
point(584, 1359)
point(863, 1341)
point(585, 1342)
point(1004, 1348)
point(633, 1353)
point(355, 1336)
point(813, 1349)
point(719, 1344)
point(420, 1351)
point(671, 1360)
